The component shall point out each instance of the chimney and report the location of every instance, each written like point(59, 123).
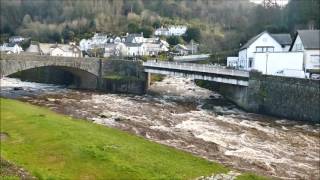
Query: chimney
point(311, 25)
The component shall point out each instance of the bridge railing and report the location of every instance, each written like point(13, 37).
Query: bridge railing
point(196, 68)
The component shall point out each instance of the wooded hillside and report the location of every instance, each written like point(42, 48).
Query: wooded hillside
point(223, 24)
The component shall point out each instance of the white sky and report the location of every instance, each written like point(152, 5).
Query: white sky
point(280, 2)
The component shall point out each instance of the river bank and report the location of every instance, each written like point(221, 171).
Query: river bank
point(54, 146)
point(177, 113)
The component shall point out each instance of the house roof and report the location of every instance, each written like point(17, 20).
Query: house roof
point(181, 46)
point(309, 38)
point(252, 40)
point(33, 48)
point(131, 37)
point(283, 39)
point(133, 44)
point(46, 48)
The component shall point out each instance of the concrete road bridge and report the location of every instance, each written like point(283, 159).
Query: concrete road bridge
point(198, 71)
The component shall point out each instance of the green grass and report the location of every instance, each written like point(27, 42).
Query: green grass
point(54, 146)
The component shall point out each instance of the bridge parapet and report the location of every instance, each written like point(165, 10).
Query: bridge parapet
point(205, 68)
point(32, 57)
point(198, 72)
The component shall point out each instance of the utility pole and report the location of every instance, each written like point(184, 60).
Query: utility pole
point(191, 46)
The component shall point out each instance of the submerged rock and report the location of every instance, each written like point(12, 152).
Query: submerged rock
point(17, 88)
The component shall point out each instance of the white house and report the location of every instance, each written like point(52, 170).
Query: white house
point(263, 42)
point(16, 39)
point(232, 62)
point(11, 48)
point(99, 38)
point(188, 49)
point(171, 31)
point(115, 49)
point(177, 30)
point(181, 49)
point(64, 50)
point(307, 42)
point(161, 32)
point(135, 49)
point(152, 49)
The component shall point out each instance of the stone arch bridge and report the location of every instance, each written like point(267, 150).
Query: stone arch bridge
point(88, 70)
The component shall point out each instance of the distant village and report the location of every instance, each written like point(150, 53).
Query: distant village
point(272, 54)
point(103, 45)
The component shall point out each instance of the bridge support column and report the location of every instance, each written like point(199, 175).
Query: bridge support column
point(148, 82)
point(99, 79)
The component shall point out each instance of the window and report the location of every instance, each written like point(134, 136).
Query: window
point(315, 59)
point(261, 49)
point(250, 62)
point(270, 49)
point(299, 47)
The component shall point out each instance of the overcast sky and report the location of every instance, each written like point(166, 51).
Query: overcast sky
point(280, 2)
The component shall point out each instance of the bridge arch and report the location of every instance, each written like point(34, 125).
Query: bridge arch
point(69, 76)
point(87, 70)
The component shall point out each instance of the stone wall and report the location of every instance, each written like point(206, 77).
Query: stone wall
point(292, 98)
point(120, 76)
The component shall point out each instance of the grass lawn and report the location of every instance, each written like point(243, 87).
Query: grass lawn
point(54, 146)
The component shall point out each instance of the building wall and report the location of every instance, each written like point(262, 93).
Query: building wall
point(312, 59)
point(263, 40)
point(277, 61)
point(57, 52)
point(232, 61)
point(297, 45)
point(135, 51)
point(242, 59)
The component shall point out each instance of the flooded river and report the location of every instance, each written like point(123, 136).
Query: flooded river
point(178, 113)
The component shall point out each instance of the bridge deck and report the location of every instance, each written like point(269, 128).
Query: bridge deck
point(204, 68)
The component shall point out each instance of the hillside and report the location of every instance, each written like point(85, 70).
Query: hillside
point(223, 25)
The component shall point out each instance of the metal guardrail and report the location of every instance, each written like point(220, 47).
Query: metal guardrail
point(196, 68)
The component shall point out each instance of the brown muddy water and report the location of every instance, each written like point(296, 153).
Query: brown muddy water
point(177, 113)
